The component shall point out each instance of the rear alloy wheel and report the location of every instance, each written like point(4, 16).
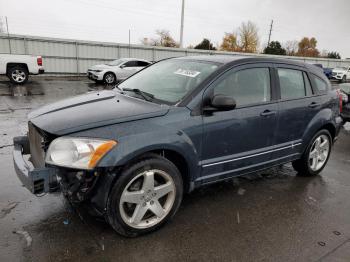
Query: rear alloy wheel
point(145, 196)
point(109, 78)
point(316, 155)
point(18, 75)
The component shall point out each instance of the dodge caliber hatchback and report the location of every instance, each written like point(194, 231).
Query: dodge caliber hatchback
point(132, 152)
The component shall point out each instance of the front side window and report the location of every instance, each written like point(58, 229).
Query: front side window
point(291, 83)
point(247, 86)
point(170, 80)
point(116, 62)
point(130, 64)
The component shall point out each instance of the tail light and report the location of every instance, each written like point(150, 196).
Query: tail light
point(340, 97)
point(39, 61)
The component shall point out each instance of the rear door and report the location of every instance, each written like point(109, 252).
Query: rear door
point(240, 140)
point(297, 106)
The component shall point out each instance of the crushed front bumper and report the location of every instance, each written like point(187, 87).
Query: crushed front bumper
point(94, 76)
point(36, 180)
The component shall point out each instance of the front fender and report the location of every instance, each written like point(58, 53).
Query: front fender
point(130, 147)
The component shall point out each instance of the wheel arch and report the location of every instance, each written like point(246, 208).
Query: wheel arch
point(323, 120)
point(100, 198)
point(13, 64)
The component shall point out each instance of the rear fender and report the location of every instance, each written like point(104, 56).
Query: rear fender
point(321, 119)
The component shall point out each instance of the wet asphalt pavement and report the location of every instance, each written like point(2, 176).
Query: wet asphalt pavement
point(270, 216)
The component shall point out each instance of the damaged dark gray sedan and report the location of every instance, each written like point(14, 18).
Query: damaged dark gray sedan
point(132, 152)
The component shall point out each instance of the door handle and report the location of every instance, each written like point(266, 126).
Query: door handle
point(268, 113)
point(314, 104)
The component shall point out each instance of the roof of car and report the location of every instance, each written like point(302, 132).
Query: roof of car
point(131, 59)
point(225, 59)
point(232, 59)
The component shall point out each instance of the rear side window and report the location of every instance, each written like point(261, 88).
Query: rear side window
point(321, 85)
point(142, 63)
point(247, 87)
point(292, 84)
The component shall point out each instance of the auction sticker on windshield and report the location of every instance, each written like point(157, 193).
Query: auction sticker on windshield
point(186, 72)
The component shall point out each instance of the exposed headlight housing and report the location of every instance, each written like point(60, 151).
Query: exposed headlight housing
point(79, 153)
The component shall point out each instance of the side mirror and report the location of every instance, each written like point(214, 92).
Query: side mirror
point(122, 66)
point(221, 103)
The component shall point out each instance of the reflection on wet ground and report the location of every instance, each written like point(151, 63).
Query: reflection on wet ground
point(269, 216)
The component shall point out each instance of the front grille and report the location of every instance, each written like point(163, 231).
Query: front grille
point(37, 144)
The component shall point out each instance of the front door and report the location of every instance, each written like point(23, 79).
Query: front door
point(240, 140)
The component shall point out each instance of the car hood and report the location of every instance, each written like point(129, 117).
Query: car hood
point(338, 71)
point(92, 110)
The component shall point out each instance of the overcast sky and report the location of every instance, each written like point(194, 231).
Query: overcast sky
point(110, 20)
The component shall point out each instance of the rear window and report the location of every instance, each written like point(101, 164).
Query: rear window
point(321, 85)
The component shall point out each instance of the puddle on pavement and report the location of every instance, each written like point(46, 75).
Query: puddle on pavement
point(20, 90)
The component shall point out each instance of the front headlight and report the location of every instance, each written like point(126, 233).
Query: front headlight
point(80, 153)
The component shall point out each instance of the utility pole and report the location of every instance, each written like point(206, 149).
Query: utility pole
point(182, 24)
point(268, 43)
point(8, 34)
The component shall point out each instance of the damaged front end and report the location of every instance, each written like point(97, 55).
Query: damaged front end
point(40, 177)
point(29, 162)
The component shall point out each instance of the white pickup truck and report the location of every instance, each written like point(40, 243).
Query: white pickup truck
point(19, 67)
point(342, 74)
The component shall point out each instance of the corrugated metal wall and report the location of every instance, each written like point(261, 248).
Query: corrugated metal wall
point(75, 56)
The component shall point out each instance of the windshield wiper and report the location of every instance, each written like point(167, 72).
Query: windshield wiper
point(143, 94)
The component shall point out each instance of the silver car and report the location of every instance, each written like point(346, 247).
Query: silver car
point(116, 70)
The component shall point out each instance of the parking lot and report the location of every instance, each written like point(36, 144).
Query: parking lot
point(270, 216)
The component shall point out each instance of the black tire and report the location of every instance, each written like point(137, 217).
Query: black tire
point(18, 74)
point(114, 216)
point(109, 78)
point(344, 79)
point(302, 165)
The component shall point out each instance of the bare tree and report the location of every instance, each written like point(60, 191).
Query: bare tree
point(291, 47)
point(164, 39)
point(249, 38)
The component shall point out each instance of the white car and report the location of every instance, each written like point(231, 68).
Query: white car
point(116, 70)
point(341, 74)
point(19, 67)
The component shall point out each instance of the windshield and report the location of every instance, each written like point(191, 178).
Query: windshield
point(340, 69)
point(116, 62)
point(170, 80)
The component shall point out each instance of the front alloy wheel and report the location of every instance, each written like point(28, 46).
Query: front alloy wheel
point(147, 199)
point(145, 196)
point(109, 78)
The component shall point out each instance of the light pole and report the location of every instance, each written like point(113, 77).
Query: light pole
point(182, 24)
